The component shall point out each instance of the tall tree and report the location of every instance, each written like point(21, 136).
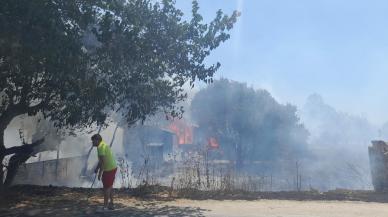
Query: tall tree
point(76, 61)
point(249, 123)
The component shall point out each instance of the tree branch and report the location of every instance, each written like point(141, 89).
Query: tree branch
point(23, 149)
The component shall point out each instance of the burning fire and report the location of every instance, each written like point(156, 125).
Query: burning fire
point(183, 131)
point(213, 143)
point(184, 134)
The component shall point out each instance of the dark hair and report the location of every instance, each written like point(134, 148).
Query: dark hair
point(96, 137)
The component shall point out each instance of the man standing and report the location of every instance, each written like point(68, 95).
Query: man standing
point(106, 169)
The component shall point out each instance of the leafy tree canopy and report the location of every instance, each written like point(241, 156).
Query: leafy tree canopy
point(249, 123)
point(76, 61)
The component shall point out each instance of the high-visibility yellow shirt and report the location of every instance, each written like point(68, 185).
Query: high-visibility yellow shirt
point(109, 163)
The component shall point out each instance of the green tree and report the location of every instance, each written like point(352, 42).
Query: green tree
point(249, 124)
point(77, 61)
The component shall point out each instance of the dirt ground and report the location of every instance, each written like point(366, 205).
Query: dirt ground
point(50, 201)
point(285, 208)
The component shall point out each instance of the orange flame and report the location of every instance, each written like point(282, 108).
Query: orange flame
point(183, 131)
point(213, 143)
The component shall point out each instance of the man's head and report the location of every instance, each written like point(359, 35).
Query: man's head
point(96, 139)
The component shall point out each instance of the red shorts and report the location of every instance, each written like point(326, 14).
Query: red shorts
point(108, 177)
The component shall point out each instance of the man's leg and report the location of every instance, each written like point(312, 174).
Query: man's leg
point(111, 206)
point(106, 197)
point(111, 195)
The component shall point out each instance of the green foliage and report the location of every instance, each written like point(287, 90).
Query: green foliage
point(76, 61)
point(250, 120)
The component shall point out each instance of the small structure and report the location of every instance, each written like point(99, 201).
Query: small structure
point(378, 157)
point(155, 151)
point(148, 142)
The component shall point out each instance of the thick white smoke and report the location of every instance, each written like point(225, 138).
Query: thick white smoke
point(339, 143)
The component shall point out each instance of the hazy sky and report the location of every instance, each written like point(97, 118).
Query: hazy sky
point(336, 48)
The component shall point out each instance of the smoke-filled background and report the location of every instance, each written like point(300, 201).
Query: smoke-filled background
point(339, 141)
point(242, 130)
point(300, 95)
point(329, 148)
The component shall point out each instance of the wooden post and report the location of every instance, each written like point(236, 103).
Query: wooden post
point(56, 163)
point(66, 169)
point(42, 169)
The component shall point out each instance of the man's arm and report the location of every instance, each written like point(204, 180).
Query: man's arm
point(99, 166)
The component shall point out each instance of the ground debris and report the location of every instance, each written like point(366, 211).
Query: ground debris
point(64, 201)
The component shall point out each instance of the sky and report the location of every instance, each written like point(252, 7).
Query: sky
point(338, 49)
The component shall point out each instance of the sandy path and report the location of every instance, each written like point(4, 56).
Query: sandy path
point(284, 208)
point(57, 202)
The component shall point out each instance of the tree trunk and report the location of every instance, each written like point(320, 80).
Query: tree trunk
point(5, 119)
point(2, 155)
point(14, 162)
point(21, 155)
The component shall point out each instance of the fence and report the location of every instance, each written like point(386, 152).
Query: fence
point(64, 171)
